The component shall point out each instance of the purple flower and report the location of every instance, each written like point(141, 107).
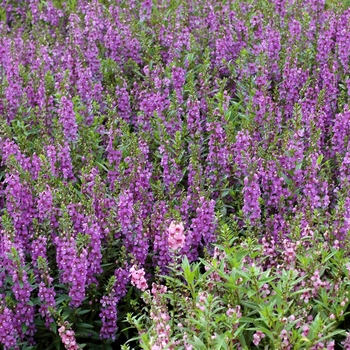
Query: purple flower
point(67, 119)
point(251, 192)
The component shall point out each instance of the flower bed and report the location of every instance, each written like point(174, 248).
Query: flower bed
point(174, 174)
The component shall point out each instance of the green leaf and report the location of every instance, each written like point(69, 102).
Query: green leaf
point(82, 312)
point(198, 343)
point(85, 325)
point(332, 334)
point(24, 327)
point(245, 319)
point(57, 342)
point(300, 291)
point(62, 298)
point(319, 159)
point(287, 180)
point(53, 326)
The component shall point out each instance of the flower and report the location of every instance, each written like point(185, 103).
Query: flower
point(176, 237)
point(257, 337)
point(138, 278)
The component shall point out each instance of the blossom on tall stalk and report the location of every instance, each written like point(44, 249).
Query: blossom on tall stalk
point(68, 336)
point(123, 103)
point(65, 251)
point(243, 152)
point(159, 235)
point(138, 278)
point(251, 191)
point(274, 188)
point(328, 81)
point(160, 317)
point(116, 289)
point(340, 130)
point(342, 40)
point(176, 238)
point(45, 204)
point(202, 230)
point(118, 39)
point(293, 79)
point(114, 157)
point(8, 334)
point(46, 291)
point(178, 77)
point(195, 122)
point(67, 119)
point(94, 255)
point(64, 157)
point(217, 159)
point(326, 38)
point(20, 206)
point(135, 202)
point(13, 261)
point(13, 92)
point(312, 198)
point(78, 278)
point(171, 171)
point(51, 155)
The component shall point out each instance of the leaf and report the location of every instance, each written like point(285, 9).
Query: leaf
point(24, 327)
point(198, 343)
point(319, 159)
point(85, 325)
point(246, 319)
point(220, 341)
point(299, 165)
point(62, 298)
point(332, 334)
point(53, 326)
point(300, 291)
point(57, 343)
point(82, 312)
point(287, 180)
point(251, 293)
point(330, 255)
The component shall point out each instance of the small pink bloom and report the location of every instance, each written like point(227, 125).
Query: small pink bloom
point(176, 238)
point(138, 278)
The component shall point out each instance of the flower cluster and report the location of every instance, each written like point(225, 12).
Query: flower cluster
point(138, 278)
point(68, 337)
point(8, 334)
point(176, 238)
point(115, 291)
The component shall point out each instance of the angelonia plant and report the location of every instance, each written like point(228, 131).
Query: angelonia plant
point(174, 174)
point(240, 298)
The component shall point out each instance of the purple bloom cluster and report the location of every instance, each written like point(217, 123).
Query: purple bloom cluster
point(67, 119)
point(109, 302)
point(251, 191)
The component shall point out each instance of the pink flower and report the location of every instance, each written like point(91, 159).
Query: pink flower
point(257, 337)
point(176, 237)
point(138, 278)
point(68, 337)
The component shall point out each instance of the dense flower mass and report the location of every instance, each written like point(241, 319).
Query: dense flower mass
point(134, 134)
